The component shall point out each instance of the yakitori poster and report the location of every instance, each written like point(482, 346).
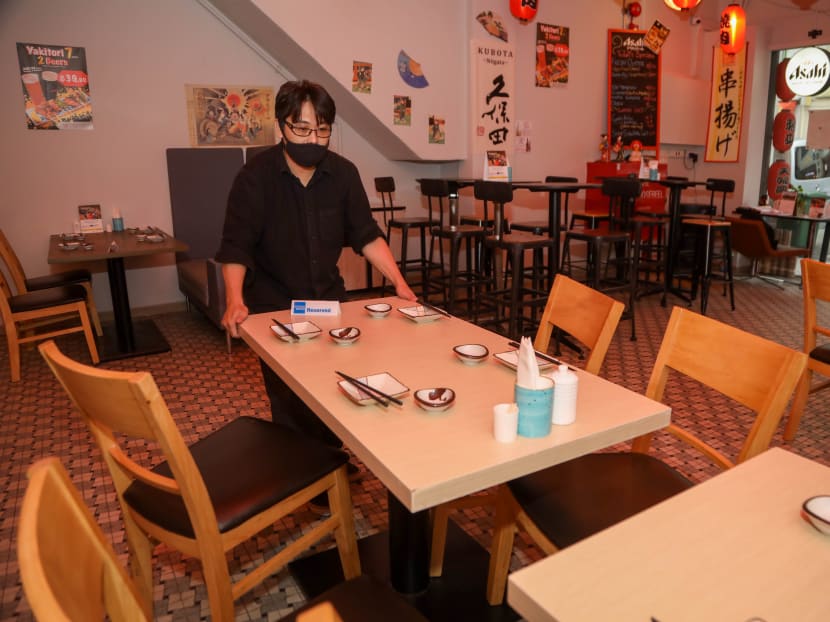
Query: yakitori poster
point(230, 115)
point(55, 86)
point(552, 54)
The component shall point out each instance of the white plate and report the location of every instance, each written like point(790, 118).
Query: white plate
point(421, 314)
point(511, 359)
point(304, 330)
point(69, 246)
point(382, 382)
point(154, 237)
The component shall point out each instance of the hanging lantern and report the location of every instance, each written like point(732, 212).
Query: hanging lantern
point(778, 179)
point(783, 131)
point(681, 5)
point(634, 10)
point(784, 92)
point(525, 10)
point(732, 29)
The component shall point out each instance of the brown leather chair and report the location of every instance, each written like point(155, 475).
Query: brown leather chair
point(749, 238)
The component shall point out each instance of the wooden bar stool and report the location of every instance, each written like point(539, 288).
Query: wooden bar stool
point(706, 232)
point(385, 186)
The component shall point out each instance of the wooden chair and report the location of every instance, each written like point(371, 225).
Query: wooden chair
point(563, 504)
point(815, 280)
point(205, 499)
point(584, 313)
point(43, 314)
point(70, 572)
point(68, 569)
point(70, 277)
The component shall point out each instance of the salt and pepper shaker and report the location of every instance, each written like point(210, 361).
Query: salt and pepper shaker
point(564, 396)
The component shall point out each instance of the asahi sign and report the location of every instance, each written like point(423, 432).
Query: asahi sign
point(808, 72)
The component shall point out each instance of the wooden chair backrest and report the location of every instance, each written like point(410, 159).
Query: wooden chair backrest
point(129, 403)
point(815, 281)
point(69, 570)
point(588, 315)
point(755, 372)
point(13, 265)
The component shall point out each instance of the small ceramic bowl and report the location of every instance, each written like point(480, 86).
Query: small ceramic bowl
point(471, 353)
point(817, 511)
point(69, 246)
point(345, 336)
point(379, 309)
point(435, 400)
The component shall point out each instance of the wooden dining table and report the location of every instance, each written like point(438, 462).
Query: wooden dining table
point(734, 547)
point(124, 337)
point(426, 458)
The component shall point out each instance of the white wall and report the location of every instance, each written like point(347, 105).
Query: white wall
point(140, 55)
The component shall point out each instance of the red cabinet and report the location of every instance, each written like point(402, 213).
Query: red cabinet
point(653, 198)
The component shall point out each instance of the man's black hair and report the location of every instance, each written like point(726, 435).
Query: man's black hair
point(290, 98)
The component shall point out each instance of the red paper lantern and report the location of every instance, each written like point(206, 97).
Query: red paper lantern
point(783, 130)
point(681, 5)
point(635, 9)
point(782, 89)
point(778, 179)
point(525, 10)
point(732, 29)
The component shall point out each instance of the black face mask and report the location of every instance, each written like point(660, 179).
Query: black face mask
point(305, 154)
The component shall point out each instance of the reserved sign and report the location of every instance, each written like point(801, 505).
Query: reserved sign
point(315, 307)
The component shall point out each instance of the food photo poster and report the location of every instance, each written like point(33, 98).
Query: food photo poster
point(55, 86)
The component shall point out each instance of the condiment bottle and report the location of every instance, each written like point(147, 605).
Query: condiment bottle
point(564, 395)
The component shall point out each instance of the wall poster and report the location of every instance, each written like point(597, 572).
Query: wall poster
point(55, 87)
point(726, 102)
point(219, 116)
point(493, 83)
point(552, 54)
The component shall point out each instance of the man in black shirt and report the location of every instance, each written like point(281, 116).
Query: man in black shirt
point(291, 211)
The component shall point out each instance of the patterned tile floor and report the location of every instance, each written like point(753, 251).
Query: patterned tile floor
point(204, 388)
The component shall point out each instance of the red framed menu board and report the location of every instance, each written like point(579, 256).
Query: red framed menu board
point(633, 89)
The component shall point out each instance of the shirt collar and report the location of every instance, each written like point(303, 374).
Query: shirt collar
point(323, 167)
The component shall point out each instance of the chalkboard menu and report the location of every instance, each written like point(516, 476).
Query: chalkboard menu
point(633, 89)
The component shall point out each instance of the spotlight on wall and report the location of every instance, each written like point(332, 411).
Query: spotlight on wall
point(681, 5)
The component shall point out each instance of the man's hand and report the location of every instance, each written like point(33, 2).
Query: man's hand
point(234, 316)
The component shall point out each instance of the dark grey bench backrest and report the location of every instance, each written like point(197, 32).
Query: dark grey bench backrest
point(200, 180)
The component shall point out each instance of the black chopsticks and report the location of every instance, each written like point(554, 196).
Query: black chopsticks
point(288, 331)
point(544, 357)
point(426, 305)
point(376, 394)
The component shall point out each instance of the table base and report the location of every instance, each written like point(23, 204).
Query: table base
point(457, 595)
point(147, 338)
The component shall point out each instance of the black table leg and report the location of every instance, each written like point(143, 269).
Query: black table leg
point(409, 534)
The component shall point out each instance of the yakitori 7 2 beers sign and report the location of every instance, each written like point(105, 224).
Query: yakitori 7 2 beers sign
point(55, 86)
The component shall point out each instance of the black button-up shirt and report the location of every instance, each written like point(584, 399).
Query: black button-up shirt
point(290, 236)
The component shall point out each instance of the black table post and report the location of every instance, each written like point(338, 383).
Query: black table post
point(121, 304)
point(409, 535)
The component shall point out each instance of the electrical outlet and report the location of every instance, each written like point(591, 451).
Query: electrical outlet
point(692, 157)
point(677, 154)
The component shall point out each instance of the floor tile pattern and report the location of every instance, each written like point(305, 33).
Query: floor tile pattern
point(204, 388)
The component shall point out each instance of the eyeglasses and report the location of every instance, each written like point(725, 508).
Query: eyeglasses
point(303, 132)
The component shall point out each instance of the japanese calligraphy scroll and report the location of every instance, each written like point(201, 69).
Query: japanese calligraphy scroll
point(493, 83)
point(633, 89)
point(726, 102)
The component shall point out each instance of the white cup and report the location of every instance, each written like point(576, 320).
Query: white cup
point(505, 422)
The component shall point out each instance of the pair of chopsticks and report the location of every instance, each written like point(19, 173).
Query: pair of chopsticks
point(544, 357)
point(426, 305)
point(379, 396)
point(287, 330)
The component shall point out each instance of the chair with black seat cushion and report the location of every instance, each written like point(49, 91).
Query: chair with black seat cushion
point(208, 498)
point(43, 314)
point(70, 572)
point(815, 281)
point(385, 187)
point(585, 314)
point(23, 284)
point(517, 304)
point(471, 277)
point(566, 503)
point(723, 186)
point(750, 239)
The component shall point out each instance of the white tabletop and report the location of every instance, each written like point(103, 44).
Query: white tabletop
point(732, 548)
point(426, 458)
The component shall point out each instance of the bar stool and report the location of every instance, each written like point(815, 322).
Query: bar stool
point(517, 297)
point(385, 186)
point(706, 231)
point(616, 242)
point(540, 227)
point(724, 186)
point(471, 277)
